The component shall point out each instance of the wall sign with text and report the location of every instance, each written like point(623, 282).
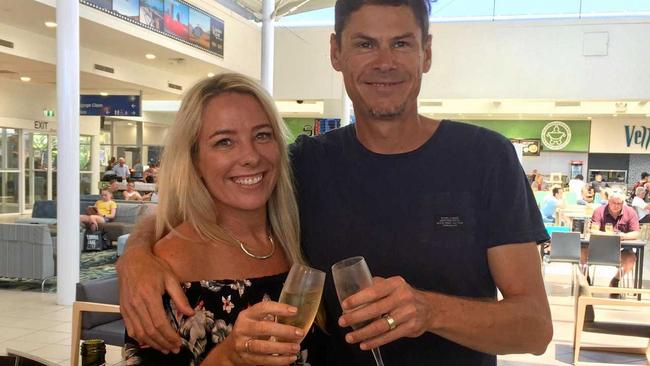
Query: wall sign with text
point(174, 18)
point(111, 105)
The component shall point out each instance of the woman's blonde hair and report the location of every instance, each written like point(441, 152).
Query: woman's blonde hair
point(183, 195)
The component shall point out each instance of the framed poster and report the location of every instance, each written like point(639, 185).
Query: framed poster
point(104, 4)
point(176, 18)
point(216, 36)
point(151, 14)
point(127, 8)
point(199, 28)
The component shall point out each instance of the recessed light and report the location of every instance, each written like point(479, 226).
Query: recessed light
point(25, 78)
point(210, 74)
point(103, 94)
point(589, 118)
point(614, 115)
point(150, 56)
point(50, 24)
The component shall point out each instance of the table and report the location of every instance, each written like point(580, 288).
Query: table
point(637, 244)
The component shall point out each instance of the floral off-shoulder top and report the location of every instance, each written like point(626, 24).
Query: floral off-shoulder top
point(216, 305)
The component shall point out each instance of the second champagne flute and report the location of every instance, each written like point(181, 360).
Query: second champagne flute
point(302, 289)
point(352, 275)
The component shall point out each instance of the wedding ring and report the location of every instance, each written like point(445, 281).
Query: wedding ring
point(247, 345)
point(391, 322)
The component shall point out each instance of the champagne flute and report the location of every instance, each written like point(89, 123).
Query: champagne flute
point(302, 289)
point(352, 275)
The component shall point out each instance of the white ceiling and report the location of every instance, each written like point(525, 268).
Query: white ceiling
point(31, 15)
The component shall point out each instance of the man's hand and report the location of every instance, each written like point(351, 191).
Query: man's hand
point(144, 278)
point(408, 307)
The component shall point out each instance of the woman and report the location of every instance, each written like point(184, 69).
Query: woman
point(130, 194)
point(538, 184)
point(227, 225)
point(103, 211)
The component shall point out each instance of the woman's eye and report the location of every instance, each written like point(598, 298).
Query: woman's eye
point(264, 136)
point(223, 143)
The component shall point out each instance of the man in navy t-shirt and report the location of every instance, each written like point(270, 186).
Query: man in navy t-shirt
point(393, 188)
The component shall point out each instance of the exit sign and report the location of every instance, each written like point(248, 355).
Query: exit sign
point(48, 113)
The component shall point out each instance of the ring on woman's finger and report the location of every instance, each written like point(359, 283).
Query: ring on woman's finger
point(391, 322)
point(247, 345)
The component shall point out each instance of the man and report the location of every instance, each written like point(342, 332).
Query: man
point(599, 186)
point(438, 245)
point(625, 224)
point(121, 169)
point(550, 204)
point(640, 205)
point(577, 185)
point(641, 183)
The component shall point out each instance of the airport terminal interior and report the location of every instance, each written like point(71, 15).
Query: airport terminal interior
point(566, 81)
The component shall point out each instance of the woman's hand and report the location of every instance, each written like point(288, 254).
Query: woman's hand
point(257, 340)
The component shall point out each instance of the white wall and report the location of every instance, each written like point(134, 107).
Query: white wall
point(554, 162)
point(123, 134)
point(611, 136)
point(542, 59)
point(153, 134)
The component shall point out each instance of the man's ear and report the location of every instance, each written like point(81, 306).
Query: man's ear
point(427, 54)
point(334, 53)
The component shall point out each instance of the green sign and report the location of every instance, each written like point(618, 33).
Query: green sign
point(556, 135)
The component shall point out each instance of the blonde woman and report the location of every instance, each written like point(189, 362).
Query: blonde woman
point(227, 225)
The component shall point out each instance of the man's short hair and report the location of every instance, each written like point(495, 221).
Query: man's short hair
point(579, 176)
point(556, 190)
point(344, 8)
point(645, 175)
point(639, 191)
point(615, 193)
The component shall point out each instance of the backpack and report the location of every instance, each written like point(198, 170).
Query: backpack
point(95, 240)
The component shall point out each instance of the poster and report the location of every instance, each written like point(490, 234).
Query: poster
point(104, 4)
point(199, 28)
point(151, 13)
point(176, 18)
point(216, 36)
point(127, 8)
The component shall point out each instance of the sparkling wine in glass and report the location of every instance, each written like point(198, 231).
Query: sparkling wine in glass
point(352, 275)
point(302, 289)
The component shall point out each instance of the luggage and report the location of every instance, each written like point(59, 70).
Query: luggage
point(95, 240)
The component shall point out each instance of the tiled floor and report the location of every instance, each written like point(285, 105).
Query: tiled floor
point(34, 323)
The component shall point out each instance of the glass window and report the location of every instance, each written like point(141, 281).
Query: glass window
point(534, 8)
point(9, 192)
point(8, 148)
point(85, 153)
point(461, 8)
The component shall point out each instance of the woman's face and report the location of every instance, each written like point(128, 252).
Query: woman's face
point(239, 154)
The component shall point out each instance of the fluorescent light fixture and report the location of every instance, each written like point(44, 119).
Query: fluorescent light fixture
point(25, 78)
point(50, 24)
point(103, 94)
point(568, 103)
point(210, 74)
point(150, 56)
point(614, 115)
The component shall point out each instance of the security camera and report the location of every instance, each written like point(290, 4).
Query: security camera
point(300, 101)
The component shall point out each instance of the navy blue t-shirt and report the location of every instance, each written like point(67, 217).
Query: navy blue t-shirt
point(428, 215)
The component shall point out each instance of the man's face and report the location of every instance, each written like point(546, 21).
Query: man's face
point(599, 177)
point(615, 206)
point(121, 162)
point(382, 58)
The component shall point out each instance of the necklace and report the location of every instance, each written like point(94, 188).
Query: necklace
point(252, 255)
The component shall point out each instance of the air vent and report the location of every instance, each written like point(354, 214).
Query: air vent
point(174, 86)
point(430, 104)
point(567, 103)
point(104, 68)
point(7, 72)
point(7, 44)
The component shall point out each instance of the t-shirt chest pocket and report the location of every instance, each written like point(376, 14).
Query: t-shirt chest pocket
point(446, 219)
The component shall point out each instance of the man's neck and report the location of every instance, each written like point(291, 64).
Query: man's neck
point(397, 135)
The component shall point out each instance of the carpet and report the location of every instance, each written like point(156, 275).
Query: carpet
point(92, 265)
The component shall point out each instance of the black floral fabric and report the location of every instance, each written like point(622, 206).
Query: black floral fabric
point(217, 303)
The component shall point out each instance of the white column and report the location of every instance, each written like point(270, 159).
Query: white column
point(67, 90)
point(346, 105)
point(94, 163)
point(268, 44)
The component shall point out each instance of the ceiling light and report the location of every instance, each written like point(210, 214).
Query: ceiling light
point(25, 78)
point(614, 115)
point(150, 56)
point(210, 74)
point(50, 24)
point(103, 94)
point(589, 117)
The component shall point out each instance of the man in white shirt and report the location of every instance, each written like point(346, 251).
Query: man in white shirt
point(640, 206)
point(576, 185)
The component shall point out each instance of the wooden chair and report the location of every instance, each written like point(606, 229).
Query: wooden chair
point(586, 320)
point(77, 308)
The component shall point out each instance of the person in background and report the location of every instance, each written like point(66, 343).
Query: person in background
point(640, 205)
point(538, 185)
point(103, 211)
point(625, 224)
point(532, 176)
point(576, 186)
point(550, 204)
point(599, 186)
point(111, 164)
point(121, 169)
point(137, 170)
point(130, 194)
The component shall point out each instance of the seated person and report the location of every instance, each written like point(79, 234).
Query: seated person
point(639, 204)
point(131, 194)
point(599, 186)
point(625, 223)
point(550, 204)
point(538, 184)
point(229, 241)
point(103, 211)
point(114, 188)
